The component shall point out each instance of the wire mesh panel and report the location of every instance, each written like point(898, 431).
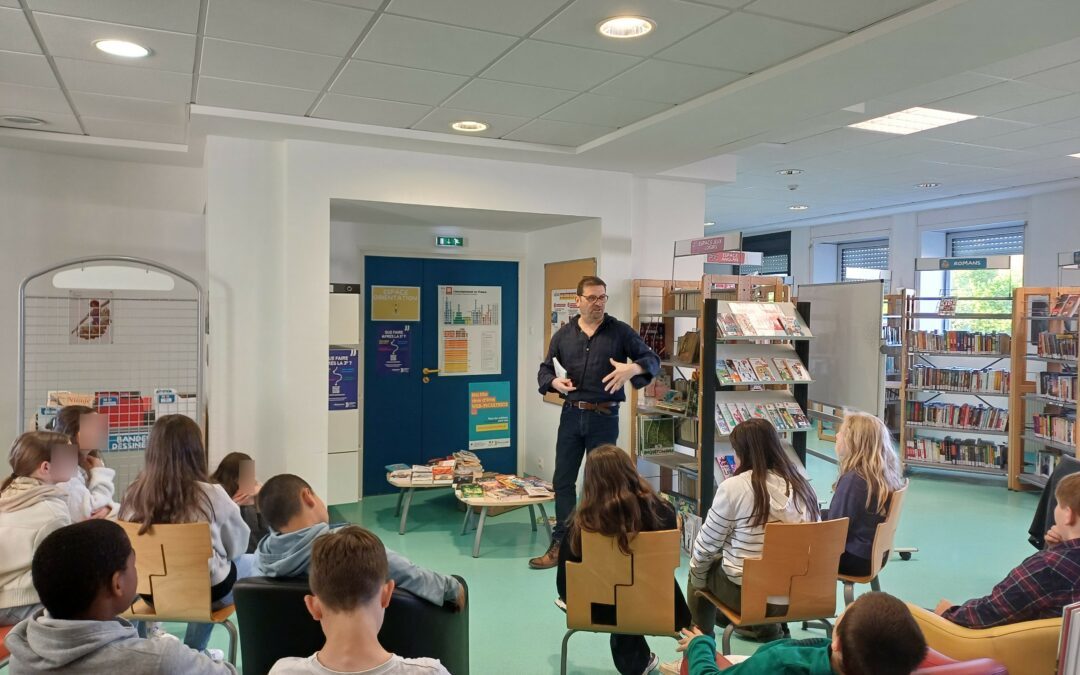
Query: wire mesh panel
point(131, 353)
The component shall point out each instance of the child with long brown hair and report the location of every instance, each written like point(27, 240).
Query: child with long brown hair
point(32, 505)
point(174, 488)
point(236, 473)
point(869, 473)
point(767, 487)
point(90, 491)
point(617, 502)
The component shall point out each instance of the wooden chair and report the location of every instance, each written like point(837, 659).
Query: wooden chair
point(883, 546)
point(798, 560)
point(611, 592)
point(172, 562)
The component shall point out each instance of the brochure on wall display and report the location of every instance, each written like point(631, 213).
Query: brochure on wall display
point(90, 318)
point(395, 303)
point(470, 330)
point(758, 318)
point(392, 349)
point(489, 415)
point(344, 369)
point(563, 306)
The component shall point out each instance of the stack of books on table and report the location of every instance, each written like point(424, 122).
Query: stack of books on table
point(506, 486)
point(399, 471)
point(422, 475)
point(443, 473)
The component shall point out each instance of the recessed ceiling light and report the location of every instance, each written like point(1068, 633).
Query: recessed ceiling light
point(912, 120)
point(22, 120)
point(927, 185)
point(623, 27)
point(469, 126)
point(789, 172)
point(128, 50)
point(709, 223)
point(798, 207)
point(1077, 155)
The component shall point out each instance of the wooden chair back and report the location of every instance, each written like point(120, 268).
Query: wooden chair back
point(637, 589)
point(798, 560)
point(886, 532)
point(173, 564)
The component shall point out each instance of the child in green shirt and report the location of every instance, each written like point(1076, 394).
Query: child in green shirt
point(876, 635)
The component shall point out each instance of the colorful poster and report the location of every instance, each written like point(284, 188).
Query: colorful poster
point(392, 349)
point(344, 371)
point(395, 303)
point(563, 306)
point(470, 330)
point(489, 415)
point(90, 319)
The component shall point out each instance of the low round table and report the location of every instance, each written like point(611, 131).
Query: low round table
point(405, 496)
point(487, 503)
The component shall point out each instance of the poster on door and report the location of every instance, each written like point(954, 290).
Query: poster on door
point(470, 330)
point(395, 303)
point(392, 349)
point(489, 415)
point(344, 368)
point(563, 306)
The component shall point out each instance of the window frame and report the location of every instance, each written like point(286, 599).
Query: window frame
point(860, 244)
point(770, 244)
point(952, 236)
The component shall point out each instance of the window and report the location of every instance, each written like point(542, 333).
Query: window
point(1003, 241)
point(873, 255)
point(984, 283)
point(775, 250)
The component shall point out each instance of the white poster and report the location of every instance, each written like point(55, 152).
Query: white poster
point(563, 306)
point(470, 330)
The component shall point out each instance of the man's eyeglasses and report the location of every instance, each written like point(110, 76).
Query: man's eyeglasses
point(593, 299)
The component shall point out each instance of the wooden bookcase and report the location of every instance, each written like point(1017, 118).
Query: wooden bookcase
point(1031, 316)
point(893, 320)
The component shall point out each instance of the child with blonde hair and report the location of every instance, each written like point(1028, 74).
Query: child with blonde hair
point(869, 474)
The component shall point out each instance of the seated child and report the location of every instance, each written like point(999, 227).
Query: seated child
point(351, 589)
point(90, 491)
point(297, 517)
point(85, 575)
point(1039, 587)
point(876, 635)
point(236, 473)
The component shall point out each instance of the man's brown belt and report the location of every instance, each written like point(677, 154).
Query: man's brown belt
point(604, 408)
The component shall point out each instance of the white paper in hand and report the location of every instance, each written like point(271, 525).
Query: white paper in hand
point(559, 370)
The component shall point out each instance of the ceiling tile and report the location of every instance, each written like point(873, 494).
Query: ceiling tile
point(842, 15)
point(181, 16)
point(551, 132)
point(129, 109)
point(936, 90)
point(748, 43)
point(156, 133)
point(266, 65)
point(997, 98)
point(666, 82)
point(1030, 137)
point(605, 111)
point(1035, 61)
point(395, 83)
point(105, 78)
point(29, 69)
point(60, 122)
point(577, 24)
point(434, 46)
point(250, 96)
point(1047, 112)
point(1065, 77)
point(302, 25)
point(440, 120)
point(74, 38)
point(514, 17)
point(1074, 123)
point(547, 65)
point(506, 98)
point(44, 99)
point(370, 111)
point(974, 130)
point(10, 3)
point(726, 4)
point(362, 4)
point(15, 33)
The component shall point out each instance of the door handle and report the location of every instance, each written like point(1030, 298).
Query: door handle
point(428, 371)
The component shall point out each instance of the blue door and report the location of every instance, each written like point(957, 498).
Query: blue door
point(407, 420)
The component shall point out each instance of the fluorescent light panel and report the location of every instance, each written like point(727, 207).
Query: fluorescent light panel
point(912, 120)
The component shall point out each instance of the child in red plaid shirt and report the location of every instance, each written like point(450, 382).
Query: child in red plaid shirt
point(1041, 586)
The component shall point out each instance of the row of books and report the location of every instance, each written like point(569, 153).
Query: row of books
point(758, 369)
point(1057, 345)
point(730, 324)
point(957, 451)
point(966, 416)
point(506, 486)
point(1045, 463)
point(784, 415)
point(461, 467)
point(961, 341)
point(959, 379)
point(1066, 305)
point(1060, 428)
point(1058, 385)
point(890, 334)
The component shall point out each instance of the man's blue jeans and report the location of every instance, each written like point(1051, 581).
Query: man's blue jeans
point(579, 432)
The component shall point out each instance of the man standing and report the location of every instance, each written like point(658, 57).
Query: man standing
point(594, 349)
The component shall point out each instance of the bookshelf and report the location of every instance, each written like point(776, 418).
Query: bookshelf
point(1044, 393)
point(893, 319)
point(955, 389)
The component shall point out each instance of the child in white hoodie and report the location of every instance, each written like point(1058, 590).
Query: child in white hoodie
point(31, 506)
point(90, 490)
point(767, 487)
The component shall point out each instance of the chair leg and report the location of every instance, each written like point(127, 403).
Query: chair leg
point(234, 640)
point(849, 593)
point(828, 628)
point(725, 642)
point(565, 645)
point(875, 585)
point(544, 515)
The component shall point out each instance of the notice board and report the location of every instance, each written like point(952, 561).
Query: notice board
point(560, 276)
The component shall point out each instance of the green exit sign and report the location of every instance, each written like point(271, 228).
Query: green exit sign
point(450, 242)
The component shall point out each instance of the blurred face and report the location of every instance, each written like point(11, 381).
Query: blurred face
point(1064, 516)
point(247, 476)
point(592, 303)
point(841, 441)
point(320, 508)
point(61, 468)
point(93, 432)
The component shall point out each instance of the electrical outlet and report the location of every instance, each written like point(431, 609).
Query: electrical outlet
point(540, 462)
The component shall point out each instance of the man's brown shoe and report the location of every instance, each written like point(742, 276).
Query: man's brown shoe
point(548, 560)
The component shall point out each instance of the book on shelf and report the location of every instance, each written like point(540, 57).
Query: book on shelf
point(763, 319)
point(654, 334)
point(690, 529)
point(1066, 306)
point(946, 306)
point(1069, 642)
point(784, 415)
point(959, 341)
point(1045, 463)
point(957, 451)
point(687, 299)
point(1059, 428)
point(726, 464)
point(1057, 345)
point(961, 380)
point(688, 347)
point(656, 435)
point(890, 334)
point(957, 416)
point(1058, 385)
point(758, 369)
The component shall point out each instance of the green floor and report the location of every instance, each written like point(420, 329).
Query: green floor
point(969, 533)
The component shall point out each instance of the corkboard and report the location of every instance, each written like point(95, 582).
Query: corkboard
point(565, 274)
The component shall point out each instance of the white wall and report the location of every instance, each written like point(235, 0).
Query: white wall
point(59, 207)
